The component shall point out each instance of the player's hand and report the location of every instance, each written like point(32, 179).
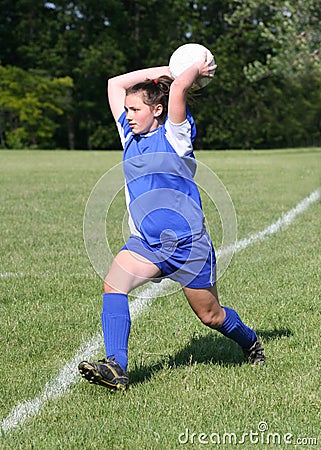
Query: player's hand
point(205, 68)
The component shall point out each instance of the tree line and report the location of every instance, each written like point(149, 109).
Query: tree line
point(57, 56)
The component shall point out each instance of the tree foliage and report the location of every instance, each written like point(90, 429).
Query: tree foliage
point(29, 106)
point(288, 34)
point(56, 57)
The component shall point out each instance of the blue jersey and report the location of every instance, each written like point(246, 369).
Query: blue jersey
point(159, 167)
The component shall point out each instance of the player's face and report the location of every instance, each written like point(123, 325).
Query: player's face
point(141, 117)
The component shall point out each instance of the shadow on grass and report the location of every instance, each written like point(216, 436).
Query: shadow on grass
point(209, 349)
point(274, 334)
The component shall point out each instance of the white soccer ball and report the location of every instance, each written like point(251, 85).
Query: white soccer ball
point(186, 55)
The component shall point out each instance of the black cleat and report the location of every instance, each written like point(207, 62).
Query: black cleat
point(254, 354)
point(107, 373)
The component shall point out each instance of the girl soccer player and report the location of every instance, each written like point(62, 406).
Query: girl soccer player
point(168, 235)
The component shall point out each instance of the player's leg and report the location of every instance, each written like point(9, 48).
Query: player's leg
point(205, 304)
point(226, 321)
point(128, 271)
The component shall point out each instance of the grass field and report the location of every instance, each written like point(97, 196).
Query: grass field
point(189, 387)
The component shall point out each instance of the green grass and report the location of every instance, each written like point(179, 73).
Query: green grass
point(183, 375)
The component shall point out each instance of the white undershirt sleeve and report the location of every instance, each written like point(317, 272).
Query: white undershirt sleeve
point(179, 136)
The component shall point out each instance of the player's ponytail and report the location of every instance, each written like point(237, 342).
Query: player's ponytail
point(154, 92)
point(164, 83)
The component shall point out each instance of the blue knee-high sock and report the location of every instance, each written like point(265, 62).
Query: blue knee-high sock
point(115, 319)
point(235, 329)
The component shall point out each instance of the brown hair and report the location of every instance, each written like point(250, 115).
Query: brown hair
point(154, 92)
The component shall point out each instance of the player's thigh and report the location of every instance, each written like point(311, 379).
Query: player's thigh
point(128, 271)
point(205, 304)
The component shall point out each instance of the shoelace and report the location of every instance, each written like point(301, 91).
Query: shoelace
point(105, 361)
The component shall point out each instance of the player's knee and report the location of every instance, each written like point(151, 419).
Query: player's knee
point(108, 288)
point(211, 319)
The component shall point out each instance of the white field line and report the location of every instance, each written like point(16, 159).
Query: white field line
point(11, 275)
point(283, 221)
point(69, 376)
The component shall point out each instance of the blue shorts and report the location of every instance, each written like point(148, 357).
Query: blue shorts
point(189, 261)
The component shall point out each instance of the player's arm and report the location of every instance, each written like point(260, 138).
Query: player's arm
point(181, 86)
point(116, 87)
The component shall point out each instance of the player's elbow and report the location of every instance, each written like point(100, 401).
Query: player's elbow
point(111, 83)
point(180, 85)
